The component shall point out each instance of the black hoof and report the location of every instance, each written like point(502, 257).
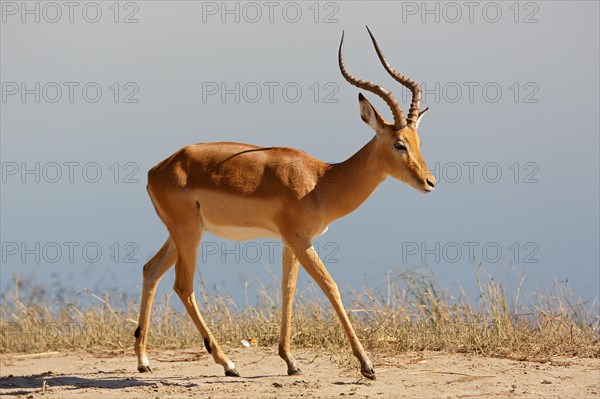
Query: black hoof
point(232, 373)
point(144, 369)
point(370, 374)
point(295, 371)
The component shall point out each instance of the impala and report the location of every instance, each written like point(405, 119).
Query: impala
point(242, 192)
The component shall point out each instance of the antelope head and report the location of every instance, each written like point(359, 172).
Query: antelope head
point(398, 143)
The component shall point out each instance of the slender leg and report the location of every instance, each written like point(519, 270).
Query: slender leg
point(153, 271)
point(288, 287)
point(187, 249)
point(310, 260)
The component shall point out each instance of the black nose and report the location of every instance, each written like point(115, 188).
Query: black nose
point(430, 183)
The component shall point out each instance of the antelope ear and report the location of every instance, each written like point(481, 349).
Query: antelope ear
point(369, 114)
point(421, 115)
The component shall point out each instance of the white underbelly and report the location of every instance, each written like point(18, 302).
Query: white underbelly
point(238, 233)
point(239, 218)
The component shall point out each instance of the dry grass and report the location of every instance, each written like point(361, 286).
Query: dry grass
point(411, 314)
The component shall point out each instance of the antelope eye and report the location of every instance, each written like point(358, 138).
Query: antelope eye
point(399, 146)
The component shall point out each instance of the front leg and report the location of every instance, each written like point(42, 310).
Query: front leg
point(288, 287)
point(310, 260)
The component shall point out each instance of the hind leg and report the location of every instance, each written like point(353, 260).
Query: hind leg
point(187, 243)
point(153, 271)
point(288, 287)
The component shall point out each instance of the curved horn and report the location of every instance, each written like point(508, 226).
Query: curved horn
point(413, 113)
point(399, 118)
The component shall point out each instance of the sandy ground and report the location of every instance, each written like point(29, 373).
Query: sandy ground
point(189, 374)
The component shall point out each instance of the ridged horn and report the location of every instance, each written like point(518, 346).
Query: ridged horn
point(413, 113)
point(399, 117)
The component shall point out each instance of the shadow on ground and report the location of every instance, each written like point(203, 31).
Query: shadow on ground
point(103, 381)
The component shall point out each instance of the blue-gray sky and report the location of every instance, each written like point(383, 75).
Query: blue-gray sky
point(512, 132)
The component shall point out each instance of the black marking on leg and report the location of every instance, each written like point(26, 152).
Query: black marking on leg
point(370, 374)
point(137, 332)
point(207, 345)
point(144, 369)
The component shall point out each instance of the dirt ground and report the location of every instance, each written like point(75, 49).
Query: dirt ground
point(191, 374)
